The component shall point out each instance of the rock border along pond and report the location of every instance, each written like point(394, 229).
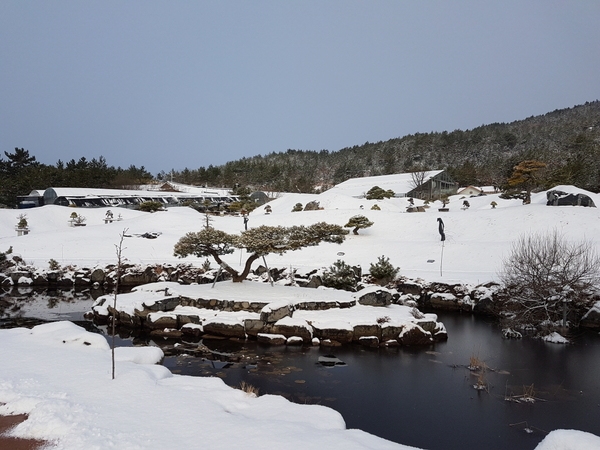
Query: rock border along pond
point(271, 314)
point(479, 299)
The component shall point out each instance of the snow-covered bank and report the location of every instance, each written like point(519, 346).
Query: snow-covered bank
point(59, 374)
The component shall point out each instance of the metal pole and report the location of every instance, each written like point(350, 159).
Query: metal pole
point(268, 271)
point(442, 257)
point(215, 280)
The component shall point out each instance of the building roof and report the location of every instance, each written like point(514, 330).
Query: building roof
point(197, 190)
point(400, 183)
point(182, 191)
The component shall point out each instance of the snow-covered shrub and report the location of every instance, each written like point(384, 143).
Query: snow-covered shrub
point(22, 221)
point(312, 206)
point(340, 276)
point(383, 269)
point(7, 252)
point(150, 206)
point(377, 193)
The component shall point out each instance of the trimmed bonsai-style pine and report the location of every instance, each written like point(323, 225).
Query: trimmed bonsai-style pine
point(358, 222)
point(259, 241)
point(377, 193)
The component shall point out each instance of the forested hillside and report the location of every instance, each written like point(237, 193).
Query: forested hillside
point(567, 140)
point(20, 173)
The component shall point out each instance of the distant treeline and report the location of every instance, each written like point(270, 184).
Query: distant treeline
point(20, 173)
point(567, 140)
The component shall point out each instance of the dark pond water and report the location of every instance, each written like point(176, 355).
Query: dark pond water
point(422, 397)
point(425, 397)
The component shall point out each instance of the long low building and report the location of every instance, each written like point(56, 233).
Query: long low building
point(90, 198)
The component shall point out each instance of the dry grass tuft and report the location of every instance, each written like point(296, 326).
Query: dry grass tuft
point(249, 389)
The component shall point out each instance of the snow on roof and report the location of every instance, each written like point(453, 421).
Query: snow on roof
point(197, 190)
point(400, 183)
point(93, 192)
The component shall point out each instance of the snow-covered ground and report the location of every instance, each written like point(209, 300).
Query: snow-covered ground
point(64, 384)
point(476, 239)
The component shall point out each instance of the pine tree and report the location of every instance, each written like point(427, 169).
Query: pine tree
point(525, 174)
point(358, 222)
point(259, 241)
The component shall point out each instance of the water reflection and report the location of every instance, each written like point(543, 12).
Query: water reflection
point(43, 305)
point(426, 397)
point(423, 397)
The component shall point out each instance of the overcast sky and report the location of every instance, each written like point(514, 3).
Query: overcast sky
point(175, 84)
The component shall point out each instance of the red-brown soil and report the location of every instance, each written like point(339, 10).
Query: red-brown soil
point(11, 443)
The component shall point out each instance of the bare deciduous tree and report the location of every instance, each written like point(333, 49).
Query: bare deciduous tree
point(546, 277)
point(417, 178)
point(119, 250)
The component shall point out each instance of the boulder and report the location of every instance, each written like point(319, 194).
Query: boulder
point(591, 319)
point(271, 339)
point(184, 319)
point(304, 331)
point(409, 288)
point(439, 333)
point(342, 335)
point(294, 340)
point(369, 341)
point(159, 321)
point(375, 297)
point(164, 304)
point(361, 331)
point(560, 198)
point(275, 311)
point(390, 332)
point(135, 278)
point(255, 326)
point(235, 330)
point(444, 301)
point(81, 280)
point(97, 275)
point(192, 330)
point(39, 279)
point(126, 320)
point(413, 334)
point(18, 274)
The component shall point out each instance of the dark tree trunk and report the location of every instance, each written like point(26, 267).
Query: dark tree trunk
point(236, 276)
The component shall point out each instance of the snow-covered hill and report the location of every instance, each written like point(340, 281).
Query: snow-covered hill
point(477, 238)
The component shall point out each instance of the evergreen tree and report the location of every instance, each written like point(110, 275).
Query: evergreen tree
point(358, 222)
point(340, 276)
point(525, 175)
point(259, 241)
